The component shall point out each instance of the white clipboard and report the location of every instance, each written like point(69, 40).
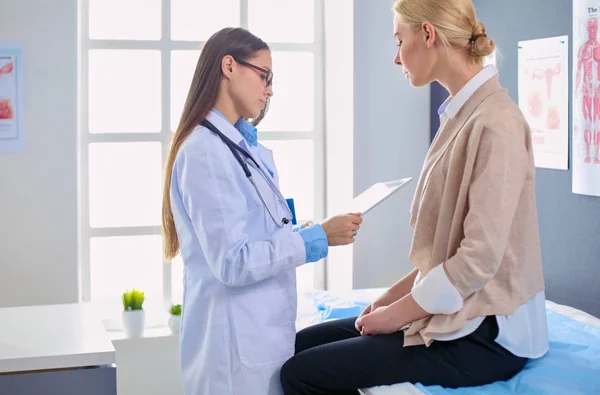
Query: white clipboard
point(375, 195)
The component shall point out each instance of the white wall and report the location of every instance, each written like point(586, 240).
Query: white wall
point(38, 187)
point(391, 138)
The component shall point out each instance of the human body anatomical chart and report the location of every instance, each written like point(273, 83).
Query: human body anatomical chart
point(586, 98)
point(11, 136)
point(543, 98)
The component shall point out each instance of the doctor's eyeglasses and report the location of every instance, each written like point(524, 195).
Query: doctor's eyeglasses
point(268, 74)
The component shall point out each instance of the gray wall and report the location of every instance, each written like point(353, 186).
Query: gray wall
point(38, 187)
point(569, 223)
point(391, 137)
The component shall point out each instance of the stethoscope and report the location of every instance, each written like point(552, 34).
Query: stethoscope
point(236, 150)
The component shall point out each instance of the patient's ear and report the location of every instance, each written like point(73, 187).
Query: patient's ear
point(429, 34)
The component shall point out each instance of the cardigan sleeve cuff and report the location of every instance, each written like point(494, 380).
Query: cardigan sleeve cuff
point(436, 294)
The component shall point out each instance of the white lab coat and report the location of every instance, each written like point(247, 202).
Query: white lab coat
point(239, 305)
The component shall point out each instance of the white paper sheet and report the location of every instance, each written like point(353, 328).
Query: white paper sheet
point(543, 98)
point(11, 98)
point(375, 195)
point(586, 96)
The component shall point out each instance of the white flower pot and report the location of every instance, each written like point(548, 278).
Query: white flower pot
point(174, 323)
point(134, 322)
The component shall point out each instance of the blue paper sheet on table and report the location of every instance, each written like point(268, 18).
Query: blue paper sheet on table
point(346, 304)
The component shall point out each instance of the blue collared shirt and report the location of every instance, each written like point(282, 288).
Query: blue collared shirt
point(249, 132)
point(245, 128)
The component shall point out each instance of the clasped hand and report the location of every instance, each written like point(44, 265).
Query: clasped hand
point(376, 319)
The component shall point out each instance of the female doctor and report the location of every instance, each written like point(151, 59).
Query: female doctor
point(223, 211)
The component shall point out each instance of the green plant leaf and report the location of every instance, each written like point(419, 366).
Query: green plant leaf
point(133, 300)
point(175, 309)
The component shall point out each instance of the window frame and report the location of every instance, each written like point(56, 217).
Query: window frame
point(166, 45)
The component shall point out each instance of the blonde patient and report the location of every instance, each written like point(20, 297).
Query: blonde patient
point(472, 310)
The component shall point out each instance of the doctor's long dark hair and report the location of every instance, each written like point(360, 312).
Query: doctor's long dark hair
point(202, 96)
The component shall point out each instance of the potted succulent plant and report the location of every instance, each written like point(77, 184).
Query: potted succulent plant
point(175, 318)
point(134, 318)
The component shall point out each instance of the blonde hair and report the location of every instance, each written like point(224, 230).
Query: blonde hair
point(455, 23)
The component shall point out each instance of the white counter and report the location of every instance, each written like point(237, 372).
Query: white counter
point(52, 337)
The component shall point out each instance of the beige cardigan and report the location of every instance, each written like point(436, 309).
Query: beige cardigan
point(474, 211)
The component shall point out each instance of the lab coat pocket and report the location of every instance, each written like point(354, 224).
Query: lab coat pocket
point(264, 329)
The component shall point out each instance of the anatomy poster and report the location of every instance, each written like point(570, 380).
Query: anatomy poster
point(11, 98)
point(544, 98)
point(586, 98)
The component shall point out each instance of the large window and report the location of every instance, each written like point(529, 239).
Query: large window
point(137, 58)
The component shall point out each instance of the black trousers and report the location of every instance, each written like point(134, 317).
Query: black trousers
point(332, 358)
